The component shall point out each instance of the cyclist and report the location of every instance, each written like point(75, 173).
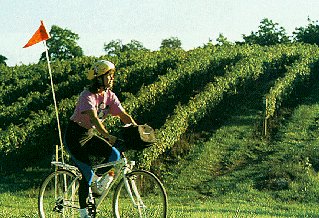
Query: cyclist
point(86, 134)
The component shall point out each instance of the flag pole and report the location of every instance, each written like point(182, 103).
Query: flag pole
point(55, 105)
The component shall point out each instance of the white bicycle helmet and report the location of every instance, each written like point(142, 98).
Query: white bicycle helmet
point(100, 68)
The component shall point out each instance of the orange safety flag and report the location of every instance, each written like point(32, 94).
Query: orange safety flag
point(40, 35)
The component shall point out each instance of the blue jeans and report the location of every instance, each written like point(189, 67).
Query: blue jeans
point(80, 154)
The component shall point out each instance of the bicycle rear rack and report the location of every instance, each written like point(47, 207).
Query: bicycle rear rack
point(65, 166)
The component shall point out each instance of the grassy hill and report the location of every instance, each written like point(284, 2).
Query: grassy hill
point(209, 108)
point(235, 163)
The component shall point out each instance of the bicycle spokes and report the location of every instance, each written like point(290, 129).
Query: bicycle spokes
point(58, 195)
point(140, 195)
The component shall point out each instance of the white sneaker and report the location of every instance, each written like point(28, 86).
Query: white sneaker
point(84, 213)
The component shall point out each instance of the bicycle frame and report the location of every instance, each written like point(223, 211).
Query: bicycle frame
point(121, 166)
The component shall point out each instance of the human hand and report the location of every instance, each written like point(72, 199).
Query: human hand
point(111, 139)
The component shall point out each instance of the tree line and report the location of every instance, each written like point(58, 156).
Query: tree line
point(63, 42)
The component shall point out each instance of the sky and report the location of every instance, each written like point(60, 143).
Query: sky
point(97, 22)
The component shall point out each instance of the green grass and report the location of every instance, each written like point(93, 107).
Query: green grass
point(238, 173)
point(24, 204)
point(21, 204)
point(211, 209)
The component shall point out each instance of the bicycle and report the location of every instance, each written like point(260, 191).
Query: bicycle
point(138, 193)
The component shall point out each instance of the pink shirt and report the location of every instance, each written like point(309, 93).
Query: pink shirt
point(105, 104)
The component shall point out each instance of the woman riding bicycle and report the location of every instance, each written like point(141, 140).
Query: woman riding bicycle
point(94, 104)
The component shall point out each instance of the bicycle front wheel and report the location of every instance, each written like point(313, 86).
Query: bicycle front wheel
point(58, 196)
point(140, 194)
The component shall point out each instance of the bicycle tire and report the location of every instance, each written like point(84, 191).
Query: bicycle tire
point(152, 193)
point(58, 195)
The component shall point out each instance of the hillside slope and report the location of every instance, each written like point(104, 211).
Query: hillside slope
point(237, 165)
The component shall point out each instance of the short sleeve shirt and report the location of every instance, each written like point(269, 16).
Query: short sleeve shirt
point(105, 104)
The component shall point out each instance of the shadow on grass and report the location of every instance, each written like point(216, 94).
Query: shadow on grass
point(23, 180)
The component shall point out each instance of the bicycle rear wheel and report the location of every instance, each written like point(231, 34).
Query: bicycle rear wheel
point(58, 196)
point(140, 194)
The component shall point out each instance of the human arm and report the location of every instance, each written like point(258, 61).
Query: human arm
point(126, 118)
point(99, 125)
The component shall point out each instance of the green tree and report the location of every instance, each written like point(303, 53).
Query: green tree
point(172, 42)
point(115, 47)
point(62, 45)
point(222, 40)
point(308, 34)
point(3, 60)
point(269, 33)
point(133, 45)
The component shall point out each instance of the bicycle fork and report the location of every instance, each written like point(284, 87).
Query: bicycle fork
point(131, 188)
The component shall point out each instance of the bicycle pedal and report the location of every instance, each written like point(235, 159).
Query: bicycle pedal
point(58, 206)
